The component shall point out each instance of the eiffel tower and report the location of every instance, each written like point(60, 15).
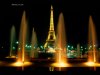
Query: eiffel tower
point(51, 34)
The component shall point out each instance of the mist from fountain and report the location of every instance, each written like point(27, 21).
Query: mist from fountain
point(12, 41)
point(61, 52)
point(92, 42)
point(92, 46)
point(33, 52)
point(78, 51)
point(22, 38)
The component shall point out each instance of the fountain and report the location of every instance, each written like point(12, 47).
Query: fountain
point(22, 39)
point(12, 41)
point(61, 54)
point(33, 52)
point(78, 51)
point(92, 42)
point(22, 58)
point(92, 45)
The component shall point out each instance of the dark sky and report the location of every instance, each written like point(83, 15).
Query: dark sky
point(38, 15)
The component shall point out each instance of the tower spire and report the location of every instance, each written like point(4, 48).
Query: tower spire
point(51, 19)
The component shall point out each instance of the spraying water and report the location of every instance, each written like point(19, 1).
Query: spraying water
point(61, 40)
point(61, 53)
point(78, 51)
point(92, 54)
point(22, 39)
point(12, 40)
point(33, 44)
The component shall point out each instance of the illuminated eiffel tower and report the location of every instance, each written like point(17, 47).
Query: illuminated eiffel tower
point(50, 42)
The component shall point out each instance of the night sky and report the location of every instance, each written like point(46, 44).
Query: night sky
point(38, 15)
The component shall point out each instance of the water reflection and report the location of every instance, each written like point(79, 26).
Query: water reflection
point(51, 68)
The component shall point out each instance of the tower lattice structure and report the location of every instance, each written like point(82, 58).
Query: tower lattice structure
point(50, 41)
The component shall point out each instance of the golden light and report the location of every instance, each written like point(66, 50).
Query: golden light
point(60, 64)
point(18, 64)
point(92, 64)
point(11, 57)
point(51, 50)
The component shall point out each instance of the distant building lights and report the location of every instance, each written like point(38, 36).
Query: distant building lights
point(94, 45)
point(90, 46)
point(81, 47)
point(41, 47)
point(13, 47)
point(68, 46)
point(17, 42)
point(19, 48)
point(72, 47)
point(26, 45)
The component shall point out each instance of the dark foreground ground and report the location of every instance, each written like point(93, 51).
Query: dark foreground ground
point(43, 67)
